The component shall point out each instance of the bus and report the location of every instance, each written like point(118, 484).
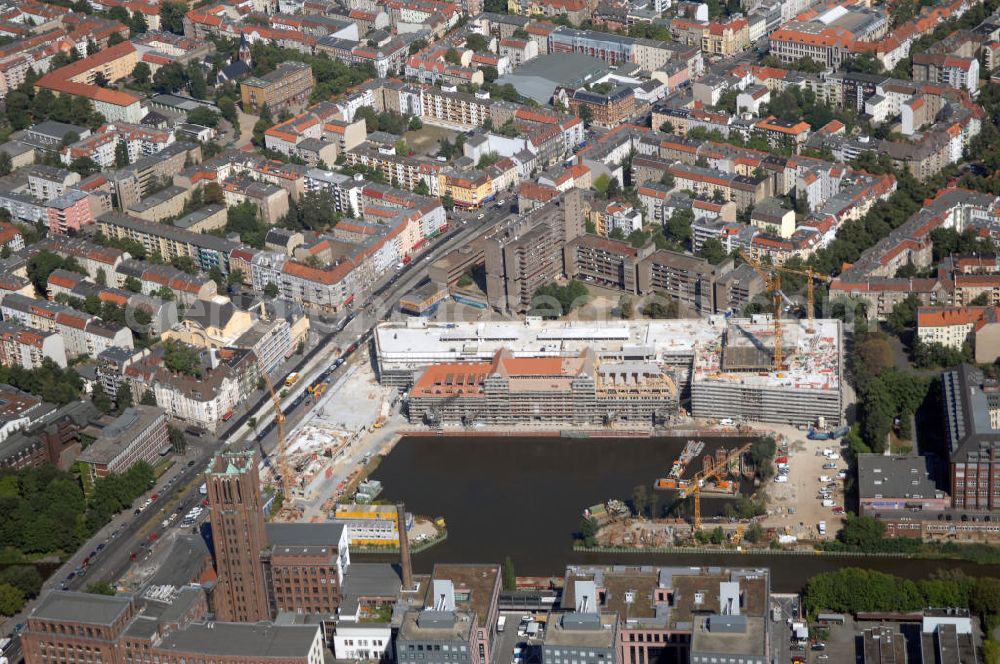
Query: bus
point(292, 379)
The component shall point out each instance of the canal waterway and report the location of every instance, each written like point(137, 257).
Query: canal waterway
point(524, 497)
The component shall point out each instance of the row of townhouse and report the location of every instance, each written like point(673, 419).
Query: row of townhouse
point(819, 38)
point(224, 378)
point(871, 279)
point(82, 334)
point(392, 227)
point(75, 286)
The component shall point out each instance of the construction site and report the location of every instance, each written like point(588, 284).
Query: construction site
point(725, 368)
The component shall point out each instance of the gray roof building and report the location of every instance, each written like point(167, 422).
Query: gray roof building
point(86, 608)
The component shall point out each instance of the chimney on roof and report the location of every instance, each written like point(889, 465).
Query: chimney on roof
point(404, 547)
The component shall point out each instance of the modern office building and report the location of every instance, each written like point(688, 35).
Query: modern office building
point(138, 434)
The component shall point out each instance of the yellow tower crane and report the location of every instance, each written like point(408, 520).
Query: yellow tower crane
point(773, 281)
point(812, 276)
point(281, 461)
point(706, 474)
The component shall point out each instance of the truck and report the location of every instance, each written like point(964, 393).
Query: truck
point(292, 378)
point(501, 622)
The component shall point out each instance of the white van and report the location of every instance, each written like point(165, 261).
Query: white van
point(822, 527)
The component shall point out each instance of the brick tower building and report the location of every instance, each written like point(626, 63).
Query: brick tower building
point(239, 536)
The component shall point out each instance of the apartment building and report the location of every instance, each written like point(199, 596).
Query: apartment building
point(528, 253)
point(138, 434)
point(946, 69)
point(606, 110)
point(605, 262)
point(142, 177)
point(69, 213)
point(286, 88)
point(270, 340)
point(93, 258)
point(453, 108)
point(82, 333)
point(26, 347)
point(207, 251)
point(79, 79)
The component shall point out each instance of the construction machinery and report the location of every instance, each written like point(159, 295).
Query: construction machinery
point(771, 274)
point(811, 277)
point(772, 279)
point(712, 472)
point(281, 461)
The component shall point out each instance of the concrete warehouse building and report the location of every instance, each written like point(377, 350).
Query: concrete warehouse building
point(723, 364)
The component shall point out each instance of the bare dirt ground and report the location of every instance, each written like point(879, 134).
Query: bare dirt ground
point(425, 140)
point(800, 492)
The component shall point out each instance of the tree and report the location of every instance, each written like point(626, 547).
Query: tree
point(132, 284)
point(121, 154)
point(509, 575)
point(178, 443)
point(252, 423)
point(6, 165)
point(415, 123)
point(625, 307)
point(678, 226)
point(904, 315)
point(85, 166)
point(196, 80)
point(667, 127)
point(123, 397)
point(148, 398)
point(585, 114)
point(452, 56)
point(137, 24)
point(100, 588)
point(101, 400)
point(11, 600)
point(23, 577)
point(172, 17)
point(588, 532)
point(640, 499)
point(271, 290)
point(40, 266)
point(712, 251)
point(203, 116)
point(169, 78)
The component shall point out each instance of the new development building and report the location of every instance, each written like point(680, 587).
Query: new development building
point(724, 364)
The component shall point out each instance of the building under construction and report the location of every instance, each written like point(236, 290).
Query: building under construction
point(510, 390)
point(723, 367)
point(737, 379)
